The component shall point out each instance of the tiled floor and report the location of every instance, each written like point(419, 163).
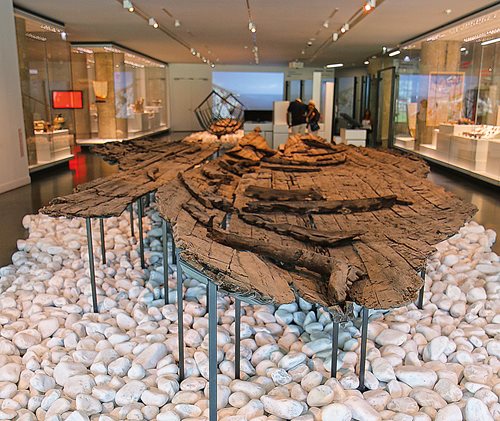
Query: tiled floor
point(85, 167)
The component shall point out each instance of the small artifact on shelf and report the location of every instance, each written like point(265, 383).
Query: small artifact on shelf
point(462, 121)
point(139, 105)
point(483, 132)
point(58, 123)
point(39, 125)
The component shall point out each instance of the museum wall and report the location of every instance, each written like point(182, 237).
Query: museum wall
point(191, 83)
point(13, 156)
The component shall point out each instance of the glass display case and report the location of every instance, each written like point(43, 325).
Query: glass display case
point(45, 69)
point(448, 97)
point(125, 93)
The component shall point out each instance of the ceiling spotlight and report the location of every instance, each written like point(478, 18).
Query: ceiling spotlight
point(366, 62)
point(331, 66)
point(447, 11)
point(177, 23)
point(335, 36)
point(212, 65)
point(64, 36)
point(406, 59)
point(152, 22)
point(127, 4)
point(193, 51)
point(204, 59)
point(394, 53)
point(343, 29)
point(370, 4)
point(251, 27)
point(326, 24)
point(463, 49)
point(309, 43)
point(384, 50)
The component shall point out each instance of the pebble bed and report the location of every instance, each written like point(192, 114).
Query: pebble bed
point(59, 361)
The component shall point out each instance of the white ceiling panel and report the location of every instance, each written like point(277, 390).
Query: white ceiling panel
point(219, 28)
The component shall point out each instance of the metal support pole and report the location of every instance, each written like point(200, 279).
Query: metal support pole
point(103, 244)
point(212, 351)
point(131, 209)
point(174, 252)
point(88, 222)
point(420, 300)
point(335, 350)
point(362, 355)
point(165, 260)
point(141, 239)
point(237, 338)
point(180, 320)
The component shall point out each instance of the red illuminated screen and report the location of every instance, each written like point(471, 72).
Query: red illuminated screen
point(67, 99)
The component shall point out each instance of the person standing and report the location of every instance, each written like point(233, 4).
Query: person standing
point(297, 112)
point(312, 118)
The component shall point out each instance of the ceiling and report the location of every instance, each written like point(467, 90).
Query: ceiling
point(219, 28)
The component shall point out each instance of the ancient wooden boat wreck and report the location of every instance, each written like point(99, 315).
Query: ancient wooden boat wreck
point(331, 224)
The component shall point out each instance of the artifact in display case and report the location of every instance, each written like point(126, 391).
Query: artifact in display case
point(100, 90)
point(139, 105)
point(39, 126)
point(58, 122)
point(220, 115)
point(483, 132)
point(411, 112)
point(445, 97)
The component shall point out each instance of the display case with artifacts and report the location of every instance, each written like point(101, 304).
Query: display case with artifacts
point(58, 122)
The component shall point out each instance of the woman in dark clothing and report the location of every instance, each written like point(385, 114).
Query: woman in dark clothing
point(313, 117)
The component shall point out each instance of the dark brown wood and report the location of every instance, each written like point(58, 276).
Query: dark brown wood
point(323, 206)
point(263, 193)
point(332, 224)
point(306, 235)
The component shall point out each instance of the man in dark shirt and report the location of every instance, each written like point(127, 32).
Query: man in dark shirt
point(297, 112)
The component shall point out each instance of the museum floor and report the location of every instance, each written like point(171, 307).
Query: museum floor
point(86, 167)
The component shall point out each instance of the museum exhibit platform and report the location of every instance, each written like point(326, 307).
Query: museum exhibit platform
point(92, 298)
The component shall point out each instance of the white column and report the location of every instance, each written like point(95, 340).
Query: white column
point(13, 154)
point(316, 94)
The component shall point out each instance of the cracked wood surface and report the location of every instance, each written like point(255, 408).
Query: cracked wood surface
point(144, 165)
point(333, 224)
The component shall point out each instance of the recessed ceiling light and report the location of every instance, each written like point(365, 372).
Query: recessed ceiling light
point(177, 23)
point(447, 11)
point(331, 66)
point(335, 36)
point(394, 53)
point(326, 24)
point(463, 49)
point(152, 22)
point(251, 27)
point(366, 62)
